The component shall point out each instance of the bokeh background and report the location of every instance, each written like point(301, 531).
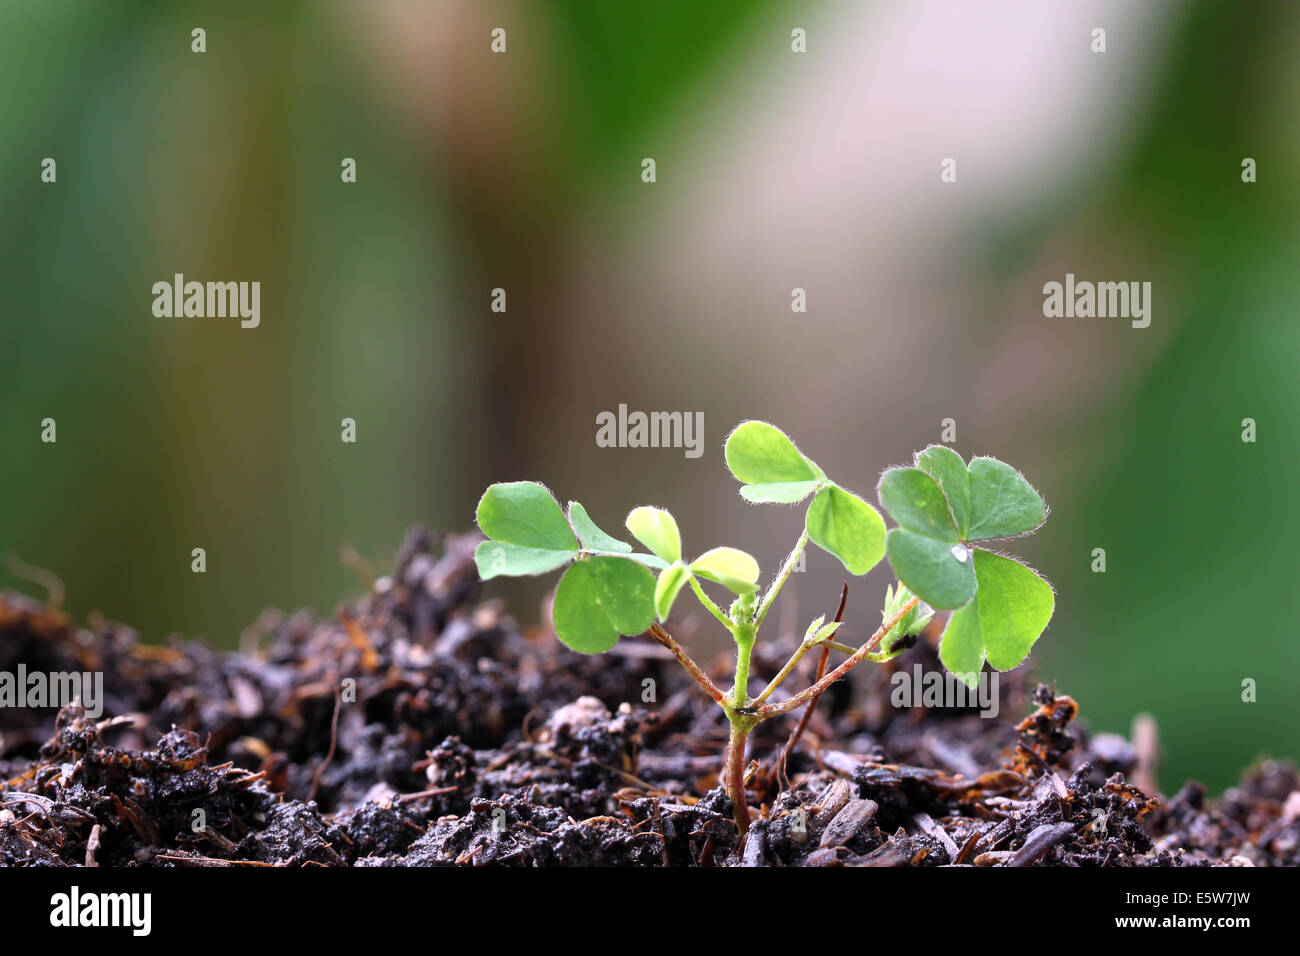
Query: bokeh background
point(775, 171)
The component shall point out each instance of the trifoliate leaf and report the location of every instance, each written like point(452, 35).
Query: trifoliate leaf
point(656, 529)
point(847, 527)
point(962, 647)
point(1012, 607)
point(729, 567)
point(527, 531)
point(592, 538)
point(600, 598)
point(953, 478)
point(941, 573)
point(916, 502)
point(772, 469)
point(525, 513)
point(496, 558)
point(1002, 502)
point(671, 580)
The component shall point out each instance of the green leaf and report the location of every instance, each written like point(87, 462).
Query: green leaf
point(912, 622)
point(941, 573)
point(600, 598)
point(766, 461)
point(525, 513)
point(953, 478)
point(779, 492)
point(962, 647)
point(826, 631)
point(757, 452)
point(671, 580)
point(656, 529)
point(1012, 607)
point(1015, 607)
point(495, 558)
point(847, 527)
point(729, 567)
point(592, 538)
point(916, 502)
point(650, 561)
point(1002, 502)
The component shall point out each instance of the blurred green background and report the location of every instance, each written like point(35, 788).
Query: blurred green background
point(775, 170)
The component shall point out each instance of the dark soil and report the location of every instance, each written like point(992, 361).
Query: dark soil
point(421, 728)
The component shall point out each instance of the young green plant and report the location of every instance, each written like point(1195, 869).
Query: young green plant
point(610, 590)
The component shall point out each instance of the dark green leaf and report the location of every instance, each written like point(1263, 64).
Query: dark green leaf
point(600, 598)
point(1002, 503)
point(592, 538)
point(915, 501)
point(941, 573)
point(1012, 607)
point(525, 513)
point(495, 558)
point(951, 475)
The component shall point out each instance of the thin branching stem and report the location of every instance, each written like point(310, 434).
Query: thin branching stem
point(822, 661)
point(692, 668)
point(708, 603)
point(764, 711)
point(775, 588)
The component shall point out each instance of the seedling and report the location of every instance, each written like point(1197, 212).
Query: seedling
point(942, 505)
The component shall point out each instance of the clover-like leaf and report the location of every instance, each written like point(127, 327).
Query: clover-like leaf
point(1002, 502)
point(916, 502)
point(497, 558)
point(767, 463)
point(592, 538)
point(950, 473)
point(600, 598)
point(847, 527)
point(657, 530)
point(1012, 607)
point(525, 513)
point(730, 567)
point(527, 530)
point(670, 582)
point(939, 572)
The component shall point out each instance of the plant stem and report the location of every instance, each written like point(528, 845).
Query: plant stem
point(791, 664)
point(744, 635)
point(764, 711)
point(780, 579)
point(735, 772)
point(692, 668)
point(802, 724)
point(708, 603)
